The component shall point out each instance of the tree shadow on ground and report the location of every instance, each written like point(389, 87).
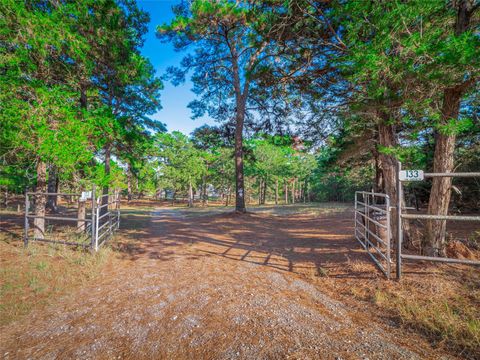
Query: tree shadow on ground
point(314, 245)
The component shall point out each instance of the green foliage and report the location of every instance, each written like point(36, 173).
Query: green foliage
point(334, 179)
point(73, 82)
point(180, 164)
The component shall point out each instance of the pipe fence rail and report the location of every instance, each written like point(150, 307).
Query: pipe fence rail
point(80, 220)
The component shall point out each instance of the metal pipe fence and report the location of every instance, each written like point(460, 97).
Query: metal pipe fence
point(401, 217)
point(373, 212)
point(97, 219)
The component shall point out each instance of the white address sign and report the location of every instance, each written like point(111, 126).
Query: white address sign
point(411, 175)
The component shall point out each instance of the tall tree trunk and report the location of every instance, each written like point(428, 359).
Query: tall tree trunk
point(440, 193)
point(443, 161)
point(285, 190)
point(308, 192)
point(264, 191)
point(129, 182)
point(227, 197)
point(81, 213)
point(388, 163)
point(260, 189)
point(108, 150)
point(305, 192)
point(204, 190)
point(137, 189)
point(239, 178)
point(240, 102)
point(190, 194)
point(40, 201)
point(293, 191)
point(378, 186)
point(276, 191)
point(52, 188)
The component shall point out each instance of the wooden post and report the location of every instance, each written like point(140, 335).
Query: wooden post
point(40, 201)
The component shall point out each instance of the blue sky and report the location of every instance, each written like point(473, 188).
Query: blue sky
point(175, 113)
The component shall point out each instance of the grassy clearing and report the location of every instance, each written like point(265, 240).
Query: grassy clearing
point(32, 277)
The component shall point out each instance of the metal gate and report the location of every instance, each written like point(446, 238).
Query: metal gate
point(106, 219)
point(372, 227)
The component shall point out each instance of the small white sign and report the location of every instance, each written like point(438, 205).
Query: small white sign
point(86, 195)
point(411, 175)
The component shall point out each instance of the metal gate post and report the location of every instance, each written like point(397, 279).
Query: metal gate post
point(93, 227)
point(389, 236)
point(399, 222)
point(355, 214)
point(96, 224)
point(118, 209)
point(27, 205)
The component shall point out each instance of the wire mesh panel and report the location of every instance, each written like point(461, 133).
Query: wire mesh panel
point(372, 227)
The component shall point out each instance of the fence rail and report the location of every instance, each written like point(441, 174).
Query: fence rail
point(98, 219)
point(401, 216)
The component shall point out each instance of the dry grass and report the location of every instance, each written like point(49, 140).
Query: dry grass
point(34, 277)
point(448, 314)
point(443, 305)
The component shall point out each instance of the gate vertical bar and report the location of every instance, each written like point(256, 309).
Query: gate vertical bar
point(118, 210)
point(389, 236)
point(96, 225)
point(399, 222)
point(355, 215)
point(27, 206)
point(367, 222)
point(93, 227)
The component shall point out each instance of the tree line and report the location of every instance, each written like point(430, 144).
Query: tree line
point(365, 83)
point(278, 169)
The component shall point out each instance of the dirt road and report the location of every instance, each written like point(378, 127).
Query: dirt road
point(220, 286)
